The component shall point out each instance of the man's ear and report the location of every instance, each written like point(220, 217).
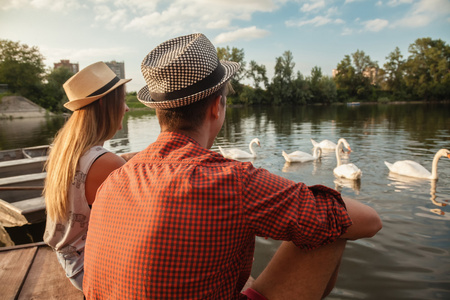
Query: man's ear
point(215, 107)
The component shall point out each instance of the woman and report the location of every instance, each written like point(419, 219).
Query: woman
point(78, 163)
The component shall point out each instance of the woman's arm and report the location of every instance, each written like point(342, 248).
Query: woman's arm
point(366, 221)
point(99, 171)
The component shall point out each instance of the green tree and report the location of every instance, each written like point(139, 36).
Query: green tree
point(22, 68)
point(236, 55)
point(428, 69)
point(282, 89)
point(355, 76)
point(322, 88)
point(256, 94)
point(54, 96)
point(328, 89)
point(394, 74)
point(315, 79)
point(302, 90)
point(258, 74)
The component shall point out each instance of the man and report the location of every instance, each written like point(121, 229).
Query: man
point(179, 221)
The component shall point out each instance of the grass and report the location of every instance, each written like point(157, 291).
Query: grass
point(133, 102)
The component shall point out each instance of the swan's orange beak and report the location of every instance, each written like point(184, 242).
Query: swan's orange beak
point(448, 155)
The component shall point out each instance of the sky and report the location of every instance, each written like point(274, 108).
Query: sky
point(317, 32)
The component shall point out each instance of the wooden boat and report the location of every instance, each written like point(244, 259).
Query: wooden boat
point(21, 182)
point(27, 152)
point(21, 161)
point(32, 271)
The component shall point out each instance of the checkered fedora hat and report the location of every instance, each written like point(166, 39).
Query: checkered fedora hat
point(181, 71)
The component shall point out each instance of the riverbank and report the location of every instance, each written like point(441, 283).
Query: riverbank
point(16, 107)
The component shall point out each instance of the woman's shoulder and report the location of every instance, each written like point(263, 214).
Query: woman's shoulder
point(108, 162)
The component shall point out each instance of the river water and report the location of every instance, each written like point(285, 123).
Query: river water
point(410, 257)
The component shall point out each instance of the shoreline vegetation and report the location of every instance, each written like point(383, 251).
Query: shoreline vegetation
point(14, 108)
point(423, 76)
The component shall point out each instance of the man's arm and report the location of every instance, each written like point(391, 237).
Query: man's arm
point(128, 156)
point(366, 221)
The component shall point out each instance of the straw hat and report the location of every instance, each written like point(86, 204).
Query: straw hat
point(90, 84)
point(181, 71)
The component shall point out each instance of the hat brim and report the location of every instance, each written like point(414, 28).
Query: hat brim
point(79, 103)
point(144, 97)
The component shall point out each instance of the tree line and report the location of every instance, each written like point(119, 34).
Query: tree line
point(424, 75)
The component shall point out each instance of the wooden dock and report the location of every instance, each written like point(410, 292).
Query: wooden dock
point(32, 271)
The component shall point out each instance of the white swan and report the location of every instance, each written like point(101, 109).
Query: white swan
point(325, 144)
point(300, 156)
point(412, 169)
point(235, 153)
point(349, 171)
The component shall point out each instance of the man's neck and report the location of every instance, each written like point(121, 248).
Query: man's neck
point(201, 138)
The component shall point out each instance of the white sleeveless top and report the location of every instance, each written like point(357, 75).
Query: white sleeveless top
point(68, 237)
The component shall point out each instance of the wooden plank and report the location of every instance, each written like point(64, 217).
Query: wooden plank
point(36, 151)
point(35, 179)
point(14, 188)
point(16, 247)
point(47, 279)
point(14, 266)
point(16, 180)
point(22, 166)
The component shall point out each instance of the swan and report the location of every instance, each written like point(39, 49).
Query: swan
point(349, 171)
point(412, 169)
point(325, 144)
point(300, 156)
point(235, 153)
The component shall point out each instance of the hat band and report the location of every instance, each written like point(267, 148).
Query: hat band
point(208, 82)
point(106, 87)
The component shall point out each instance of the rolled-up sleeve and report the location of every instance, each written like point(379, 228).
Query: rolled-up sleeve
point(275, 207)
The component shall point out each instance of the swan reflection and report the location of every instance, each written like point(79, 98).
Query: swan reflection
point(340, 183)
point(291, 167)
point(409, 183)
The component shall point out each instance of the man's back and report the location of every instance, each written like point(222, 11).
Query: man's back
point(179, 222)
point(179, 233)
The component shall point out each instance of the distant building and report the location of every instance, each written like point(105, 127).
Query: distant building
point(371, 73)
point(334, 72)
point(117, 67)
point(74, 68)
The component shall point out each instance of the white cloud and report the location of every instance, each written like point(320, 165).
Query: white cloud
point(53, 5)
point(375, 25)
point(313, 5)
point(84, 55)
point(108, 18)
point(249, 33)
point(158, 17)
point(179, 16)
point(347, 31)
point(398, 2)
point(316, 21)
point(424, 12)
point(325, 18)
point(351, 1)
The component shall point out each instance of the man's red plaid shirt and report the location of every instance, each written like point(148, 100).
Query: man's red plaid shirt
point(179, 221)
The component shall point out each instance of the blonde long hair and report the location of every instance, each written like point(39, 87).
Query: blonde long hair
point(89, 126)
